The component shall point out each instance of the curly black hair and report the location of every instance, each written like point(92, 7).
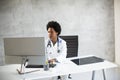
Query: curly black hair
point(55, 25)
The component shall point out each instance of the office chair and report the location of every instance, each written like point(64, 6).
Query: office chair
point(72, 47)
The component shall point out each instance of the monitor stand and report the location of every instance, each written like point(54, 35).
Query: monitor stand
point(23, 64)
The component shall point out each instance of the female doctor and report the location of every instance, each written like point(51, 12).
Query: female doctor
point(56, 47)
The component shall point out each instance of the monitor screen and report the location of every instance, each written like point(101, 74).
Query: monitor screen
point(25, 46)
point(32, 48)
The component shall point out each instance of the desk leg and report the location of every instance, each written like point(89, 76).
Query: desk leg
point(93, 75)
point(104, 74)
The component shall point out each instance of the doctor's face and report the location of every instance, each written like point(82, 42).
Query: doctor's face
point(52, 33)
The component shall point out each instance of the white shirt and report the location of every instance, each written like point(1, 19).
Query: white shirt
point(57, 51)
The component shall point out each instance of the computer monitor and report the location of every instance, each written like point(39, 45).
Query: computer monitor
point(32, 48)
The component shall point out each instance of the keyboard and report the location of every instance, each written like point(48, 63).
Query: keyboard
point(40, 66)
point(34, 66)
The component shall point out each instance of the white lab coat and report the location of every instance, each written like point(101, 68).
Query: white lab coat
point(57, 51)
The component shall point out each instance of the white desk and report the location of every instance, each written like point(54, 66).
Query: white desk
point(8, 72)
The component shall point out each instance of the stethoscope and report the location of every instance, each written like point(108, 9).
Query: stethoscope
point(58, 44)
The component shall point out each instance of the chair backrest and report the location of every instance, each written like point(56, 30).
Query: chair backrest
point(72, 45)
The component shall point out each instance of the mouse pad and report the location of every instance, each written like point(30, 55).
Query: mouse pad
point(87, 60)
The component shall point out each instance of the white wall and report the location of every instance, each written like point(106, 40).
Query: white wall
point(91, 20)
point(117, 31)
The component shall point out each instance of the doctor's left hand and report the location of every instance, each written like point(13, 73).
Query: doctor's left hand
point(52, 61)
